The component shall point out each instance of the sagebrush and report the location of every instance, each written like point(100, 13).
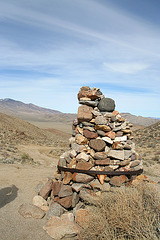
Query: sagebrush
point(129, 213)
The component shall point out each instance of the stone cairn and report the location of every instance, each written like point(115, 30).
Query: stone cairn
point(102, 155)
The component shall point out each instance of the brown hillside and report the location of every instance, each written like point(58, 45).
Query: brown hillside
point(139, 120)
point(148, 145)
point(15, 132)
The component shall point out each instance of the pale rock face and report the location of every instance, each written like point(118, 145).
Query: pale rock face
point(55, 210)
point(59, 228)
point(116, 154)
point(39, 201)
point(30, 211)
point(83, 156)
point(127, 154)
point(96, 113)
point(107, 139)
point(100, 120)
point(120, 139)
point(81, 140)
point(100, 155)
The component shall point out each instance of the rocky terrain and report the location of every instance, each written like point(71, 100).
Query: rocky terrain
point(148, 145)
point(15, 132)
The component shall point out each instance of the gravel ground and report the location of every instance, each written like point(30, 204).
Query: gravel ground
point(17, 186)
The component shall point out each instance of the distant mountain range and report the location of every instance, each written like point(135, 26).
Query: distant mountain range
point(31, 112)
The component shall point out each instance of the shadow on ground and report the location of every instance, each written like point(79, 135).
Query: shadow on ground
point(7, 195)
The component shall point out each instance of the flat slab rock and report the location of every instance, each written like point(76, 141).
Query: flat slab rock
point(82, 178)
point(28, 210)
point(59, 228)
point(118, 180)
point(55, 210)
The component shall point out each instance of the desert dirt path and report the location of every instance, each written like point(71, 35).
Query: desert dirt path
point(22, 179)
point(39, 154)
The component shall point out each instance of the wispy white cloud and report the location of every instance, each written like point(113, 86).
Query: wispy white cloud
point(126, 67)
point(58, 45)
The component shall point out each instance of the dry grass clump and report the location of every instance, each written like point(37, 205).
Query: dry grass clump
point(130, 213)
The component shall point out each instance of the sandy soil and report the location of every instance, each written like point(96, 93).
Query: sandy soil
point(17, 186)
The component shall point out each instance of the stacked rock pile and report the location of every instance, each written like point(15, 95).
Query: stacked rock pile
point(102, 141)
point(102, 155)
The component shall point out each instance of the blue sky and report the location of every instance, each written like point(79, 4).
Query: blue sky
point(50, 48)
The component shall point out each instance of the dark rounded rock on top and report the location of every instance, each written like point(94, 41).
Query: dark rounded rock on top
point(106, 105)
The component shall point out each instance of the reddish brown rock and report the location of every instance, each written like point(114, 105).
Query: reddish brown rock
point(103, 162)
point(67, 178)
point(101, 178)
point(56, 186)
point(86, 92)
point(97, 144)
point(84, 165)
point(84, 113)
point(66, 202)
point(55, 199)
point(118, 180)
point(46, 189)
point(82, 178)
point(115, 113)
point(117, 146)
point(65, 191)
point(88, 134)
point(111, 135)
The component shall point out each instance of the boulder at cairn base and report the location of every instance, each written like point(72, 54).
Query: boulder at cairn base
point(106, 105)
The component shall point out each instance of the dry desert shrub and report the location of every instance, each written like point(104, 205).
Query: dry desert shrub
point(130, 213)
